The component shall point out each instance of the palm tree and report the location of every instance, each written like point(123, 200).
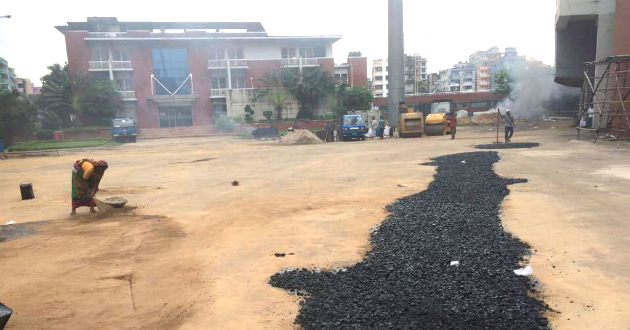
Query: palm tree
point(61, 92)
point(274, 84)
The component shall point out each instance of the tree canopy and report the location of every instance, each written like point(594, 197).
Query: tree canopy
point(92, 101)
point(17, 114)
point(357, 98)
point(309, 89)
point(502, 82)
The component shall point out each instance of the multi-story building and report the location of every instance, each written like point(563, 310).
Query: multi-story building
point(433, 82)
point(462, 78)
point(509, 62)
point(380, 77)
point(352, 73)
point(444, 82)
point(25, 86)
point(8, 79)
point(176, 78)
point(483, 60)
point(415, 72)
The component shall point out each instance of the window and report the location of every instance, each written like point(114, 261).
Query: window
point(238, 82)
point(235, 53)
point(217, 53)
point(378, 78)
point(288, 52)
point(307, 52)
point(175, 116)
point(379, 69)
point(99, 54)
point(124, 84)
point(219, 83)
point(120, 55)
point(170, 67)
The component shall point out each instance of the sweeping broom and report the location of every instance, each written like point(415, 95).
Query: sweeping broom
point(102, 206)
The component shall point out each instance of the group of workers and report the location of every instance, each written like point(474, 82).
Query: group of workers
point(379, 129)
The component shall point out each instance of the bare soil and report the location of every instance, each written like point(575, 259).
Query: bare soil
point(191, 251)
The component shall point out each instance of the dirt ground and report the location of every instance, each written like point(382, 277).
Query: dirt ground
point(193, 252)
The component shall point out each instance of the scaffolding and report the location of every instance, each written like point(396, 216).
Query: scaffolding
point(605, 98)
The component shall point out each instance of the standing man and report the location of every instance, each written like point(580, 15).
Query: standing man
point(381, 128)
point(452, 123)
point(509, 124)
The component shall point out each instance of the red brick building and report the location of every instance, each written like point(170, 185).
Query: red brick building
point(176, 78)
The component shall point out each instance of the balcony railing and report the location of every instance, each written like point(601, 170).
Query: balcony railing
point(127, 95)
point(223, 63)
point(218, 92)
point(104, 65)
point(299, 61)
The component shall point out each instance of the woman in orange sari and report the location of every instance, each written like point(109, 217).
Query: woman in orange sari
point(86, 176)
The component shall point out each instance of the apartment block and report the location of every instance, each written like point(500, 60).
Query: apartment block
point(25, 86)
point(483, 60)
point(463, 78)
point(178, 77)
point(415, 72)
point(8, 79)
point(509, 62)
point(353, 72)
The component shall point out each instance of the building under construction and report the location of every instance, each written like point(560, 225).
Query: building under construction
point(593, 52)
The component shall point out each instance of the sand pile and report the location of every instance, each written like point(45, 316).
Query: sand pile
point(300, 136)
point(485, 118)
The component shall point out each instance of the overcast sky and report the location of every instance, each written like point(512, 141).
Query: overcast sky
point(443, 31)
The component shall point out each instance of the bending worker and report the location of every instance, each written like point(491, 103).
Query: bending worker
point(86, 176)
point(510, 125)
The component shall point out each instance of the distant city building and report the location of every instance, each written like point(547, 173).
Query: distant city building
point(463, 77)
point(25, 86)
point(483, 61)
point(433, 81)
point(415, 74)
point(8, 79)
point(509, 62)
point(37, 90)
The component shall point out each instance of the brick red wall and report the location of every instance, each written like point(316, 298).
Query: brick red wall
point(459, 97)
point(327, 64)
point(142, 63)
point(198, 55)
point(257, 70)
point(78, 52)
point(358, 73)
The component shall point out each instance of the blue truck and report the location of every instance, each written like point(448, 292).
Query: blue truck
point(352, 127)
point(124, 130)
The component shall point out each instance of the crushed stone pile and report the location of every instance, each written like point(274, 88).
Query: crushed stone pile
point(300, 137)
point(441, 260)
point(508, 145)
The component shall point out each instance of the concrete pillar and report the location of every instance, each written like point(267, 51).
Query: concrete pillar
point(396, 88)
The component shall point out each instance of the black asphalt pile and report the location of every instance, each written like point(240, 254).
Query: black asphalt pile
point(410, 279)
point(496, 146)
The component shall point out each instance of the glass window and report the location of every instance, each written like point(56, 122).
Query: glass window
point(124, 84)
point(235, 53)
point(320, 51)
point(170, 67)
point(379, 78)
point(238, 82)
point(288, 52)
point(307, 52)
point(219, 83)
point(99, 54)
point(120, 55)
point(379, 69)
point(175, 116)
point(217, 53)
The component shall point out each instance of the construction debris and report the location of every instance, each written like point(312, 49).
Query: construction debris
point(300, 137)
point(507, 145)
point(406, 281)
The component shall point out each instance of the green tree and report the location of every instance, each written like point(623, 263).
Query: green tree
point(502, 82)
point(309, 89)
point(423, 87)
point(357, 98)
point(17, 114)
point(99, 102)
point(355, 54)
point(93, 101)
point(274, 88)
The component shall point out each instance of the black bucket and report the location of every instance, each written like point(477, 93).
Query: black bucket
point(5, 314)
point(27, 191)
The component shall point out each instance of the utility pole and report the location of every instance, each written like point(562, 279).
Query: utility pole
point(396, 93)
